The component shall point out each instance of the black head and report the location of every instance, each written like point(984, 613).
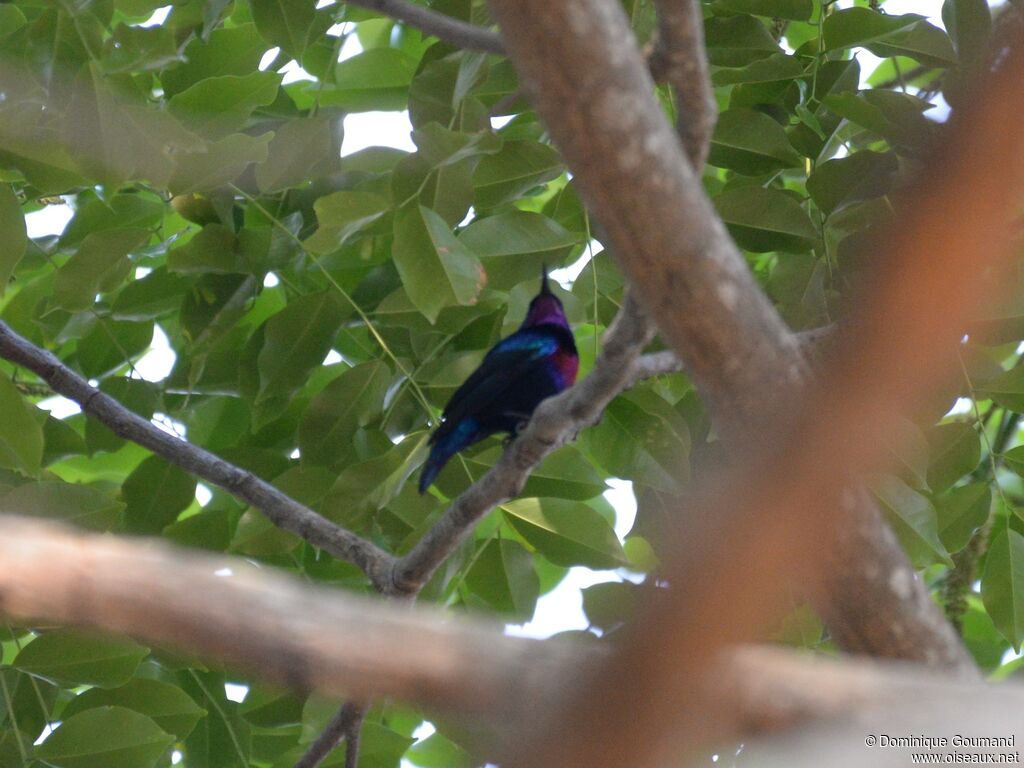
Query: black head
point(545, 307)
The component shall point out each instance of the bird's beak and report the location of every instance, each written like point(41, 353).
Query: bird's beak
point(545, 287)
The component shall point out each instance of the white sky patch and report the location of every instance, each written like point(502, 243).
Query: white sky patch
point(177, 756)
point(59, 407)
point(235, 692)
point(333, 358)
point(157, 363)
point(470, 215)
point(268, 58)
point(296, 454)
point(159, 17)
point(499, 122)
point(621, 496)
point(351, 47)
point(47, 730)
point(271, 280)
point(203, 494)
point(377, 129)
point(561, 609)
point(566, 276)
point(169, 425)
point(51, 220)
point(961, 407)
point(293, 72)
point(1011, 655)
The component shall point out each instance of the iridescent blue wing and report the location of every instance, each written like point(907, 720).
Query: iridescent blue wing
point(508, 362)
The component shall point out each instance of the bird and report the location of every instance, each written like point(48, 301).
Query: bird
point(537, 361)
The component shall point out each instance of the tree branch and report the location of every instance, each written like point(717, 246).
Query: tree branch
point(283, 511)
point(344, 725)
point(272, 626)
point(679, 58)
point(312, 638)
point(445, 28)
point(813, 343)
point(580, 64)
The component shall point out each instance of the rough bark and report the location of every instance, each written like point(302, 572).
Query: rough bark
point(589, 83)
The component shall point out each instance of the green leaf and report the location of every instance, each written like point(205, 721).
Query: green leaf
point(1006, 390)
point(503, 575)
point(516, 169)
point(155, 493)
point(798, 10)
point(851, 27)
point(961, 512)
point(438, 751)
point(776, 68)
point(123, 211)
point(1013, 459)
point(99, 266)
point(81, 505)
point(896, 117)
point(111, 345)
point(217, 106)
point(737, 41)
point(296, 340)
point(21, 436)
point(168, 706)
point(565, 474)
point(437, 270)
point(340, 215)
point(862, 176)
point(610, 604)
point(349, 402)
point(1002, 586)
point(763, 219)
point(969, 23)
point(156, 294)
point(71, 658)
point(104, 737)
point(11, 19)
point(515, 245)
point(922, 41)
point(441, 147)
point(752, 143)
point(235, 50)
point(285, 23)
point(220, 164)
point(566, 532)
point(381, 747)
point(214, 248)
point(377, 79)
point(648, 444)
point(914, 519)
point(954, 450)
point(13, 237)
point(301, 150)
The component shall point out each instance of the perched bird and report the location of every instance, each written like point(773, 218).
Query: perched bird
point(537, 361)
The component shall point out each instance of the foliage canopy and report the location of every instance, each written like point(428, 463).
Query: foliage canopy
point(322, 308)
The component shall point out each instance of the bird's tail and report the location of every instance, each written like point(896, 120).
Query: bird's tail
point(432, 467)
point(449, 439)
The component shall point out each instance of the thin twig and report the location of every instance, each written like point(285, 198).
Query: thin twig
point(469, 37)
point(344, 725)
point(283, 511)
point(812, 343)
